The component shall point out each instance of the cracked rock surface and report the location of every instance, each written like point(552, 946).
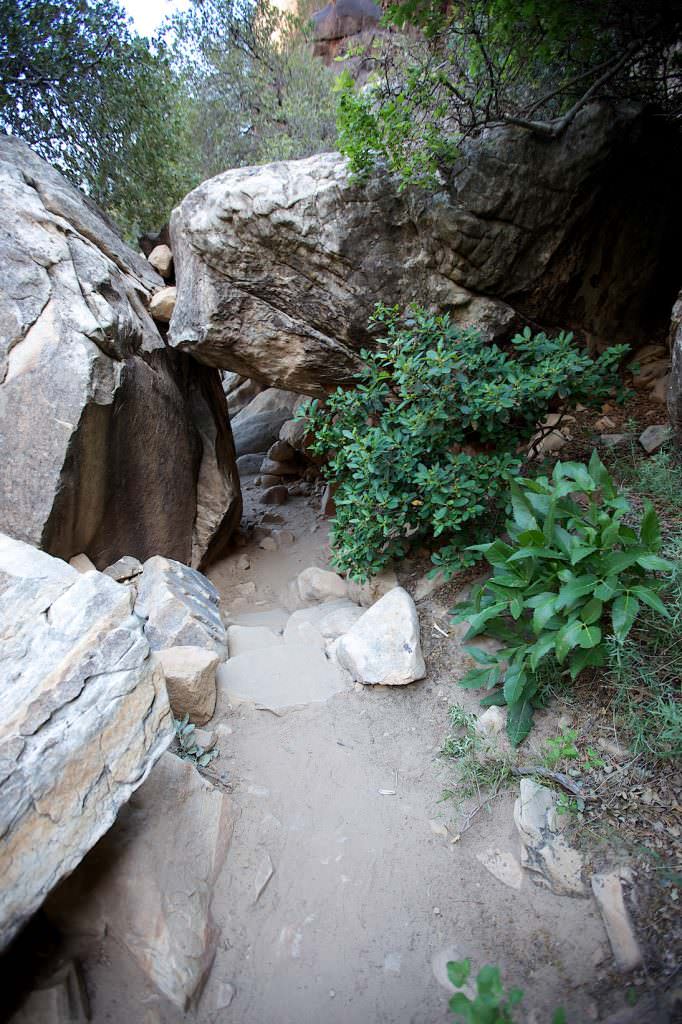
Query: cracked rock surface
point(110, 444)
point(84, 715)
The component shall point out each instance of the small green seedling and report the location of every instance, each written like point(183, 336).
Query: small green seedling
point(188, 748)
point(491, 1004)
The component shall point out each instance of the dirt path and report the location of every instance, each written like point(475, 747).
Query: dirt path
point(343, 894)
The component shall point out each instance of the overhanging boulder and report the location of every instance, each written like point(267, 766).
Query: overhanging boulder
point(279, 267)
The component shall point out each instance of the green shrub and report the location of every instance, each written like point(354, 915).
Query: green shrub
point(425, 444)
point(572, 568)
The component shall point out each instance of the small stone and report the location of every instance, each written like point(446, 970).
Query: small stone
point(655, 437)
point(244, 562)
point(438, 828)
point(615, 440)
point(82, 563)
point(604, 424)
point(217, 995)
point(281, 451)
point(545, 851)
point(161, 258)
point(491, 723)
point(272, 518)
point(126, 568)
point(162, 304)
point(249, 465)
point(190, 680)
point(608, 892)
point(316, 585)
point(277, 495)
point(284, 538)
point(206, 738)
point(294, 432)
point(268, 480)
point(245, 590)
point(384, 646)
point(436, 911)
point(269, 466)
point(268, 544)
point(264, 873)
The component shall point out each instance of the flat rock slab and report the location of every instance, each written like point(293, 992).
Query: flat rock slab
point(150, 882)
point(545, 852)
point(608, 892)
point(84, 716)
point(281, 678)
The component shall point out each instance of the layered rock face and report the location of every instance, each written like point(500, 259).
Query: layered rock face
point(84, 715)
point(279, 267)
point(110, 443)
point(674, 395)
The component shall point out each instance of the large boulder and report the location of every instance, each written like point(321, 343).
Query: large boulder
point(84, 715)
point(110, 443)
point(149, 883)
point(279, 267)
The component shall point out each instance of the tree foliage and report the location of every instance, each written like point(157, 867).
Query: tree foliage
point(464, 66)
point(257, 94)
point(99, 102)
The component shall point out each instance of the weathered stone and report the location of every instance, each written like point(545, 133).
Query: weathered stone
point(545, 851)
point(190, 680)
point(268, 544)
point(344, 18)
point(277, 495)
point(331, 620)
point(60, 999)
point(81, 563)
point(126, 568)
point(300, 254)
point(608, 892)
point(100, 448)
point(149, 882)
point(180, 607)
point(654, 437)
point(384, 646)
point(83, 717)
point(161, 258)
point(674, 396)
point(271, 468)
point(249, 465)
point(239, 391)
point(162, 304)
point(294, 432)
point(373, 589)
point(314, 585)
point(281, 451)
point(258, 424)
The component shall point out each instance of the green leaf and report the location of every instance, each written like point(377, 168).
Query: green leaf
point(519, 721)
point(559, 1016)
point(496, 699)
point(652, 599)
point(623, 614)
point(458, 972)
point(650, 528)
point(655, 563)
point(592, 611)
point(571, 592)
point(543, 613)
point(567, 638)
point(539, 649)
point(481, 678)
point(581, 659)
point(489, 982)
point(514, 682)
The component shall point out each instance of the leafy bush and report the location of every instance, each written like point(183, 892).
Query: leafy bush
point(571, 567)
point(491, 1004)
point(425, 444)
